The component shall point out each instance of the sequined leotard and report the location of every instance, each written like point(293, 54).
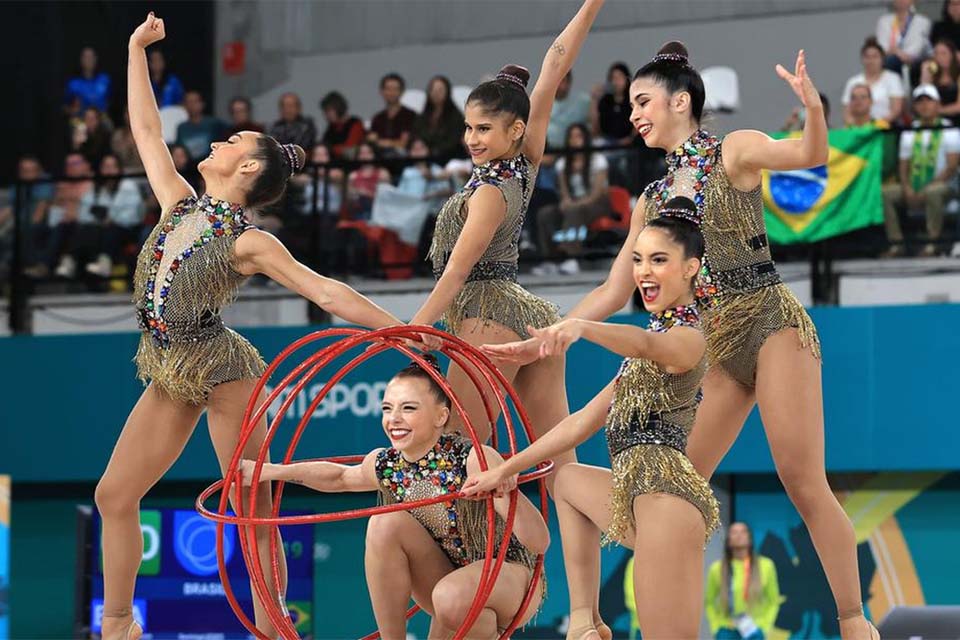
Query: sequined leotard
point(491, 291)
point(743, 299)
point(647, 427)
point(184, 277)
point(458, 526)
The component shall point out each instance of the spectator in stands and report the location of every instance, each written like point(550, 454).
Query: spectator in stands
point(33, 215)
point(64, 214)
point(858, 112)
point(424, 179)
point(610, 108)
point(391, 128)
point(362, 183)
point(798, 115)
point(568, 108)
point(90, 88)
point(344, 132)
point(241, 117)
point(584, 197)
point(330, 180)
point(904, 35)
point(199, 131)
point(928, 162)
point(111, 217)
point(742, 593)
point(166, 86)
point(886, 87)
point(440, 125)
point(942, 70)
point(185, 165)
point(293, 127)
point(123, 146)
point(948, 27)
point(610, 122)
point(93, 138)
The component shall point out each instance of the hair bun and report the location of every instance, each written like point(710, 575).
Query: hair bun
point(295, 156)
point(673, 51)
point(516, 74)
point(430, 359)
point(682, 208)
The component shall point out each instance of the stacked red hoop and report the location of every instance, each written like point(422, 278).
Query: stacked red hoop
point(485, 377)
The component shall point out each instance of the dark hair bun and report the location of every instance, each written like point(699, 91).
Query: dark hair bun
point(516, 74)
point(429, 358)
point(674, 47)
point(300, 157)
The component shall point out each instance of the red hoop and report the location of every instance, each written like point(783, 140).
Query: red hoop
point(486, 378)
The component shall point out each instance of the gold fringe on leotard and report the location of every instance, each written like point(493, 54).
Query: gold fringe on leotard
point(501, 301)
point(642, 389)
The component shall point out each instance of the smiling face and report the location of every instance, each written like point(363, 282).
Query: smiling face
point(656, 115)
point(413, 417)
point(661, 271)
point(490, 135)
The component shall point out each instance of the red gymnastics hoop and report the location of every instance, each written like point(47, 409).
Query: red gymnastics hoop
point(489, 382)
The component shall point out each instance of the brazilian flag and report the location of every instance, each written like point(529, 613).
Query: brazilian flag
point(812, 204)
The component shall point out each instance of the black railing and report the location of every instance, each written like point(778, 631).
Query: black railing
point(310, 221)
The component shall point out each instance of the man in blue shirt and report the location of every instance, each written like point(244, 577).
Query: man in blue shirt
point(199, 130)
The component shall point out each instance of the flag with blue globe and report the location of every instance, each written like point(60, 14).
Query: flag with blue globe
point(808, 205)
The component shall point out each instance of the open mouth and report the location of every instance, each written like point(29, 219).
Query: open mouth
point(398, 433)
point(644, 129)
point(650, 291)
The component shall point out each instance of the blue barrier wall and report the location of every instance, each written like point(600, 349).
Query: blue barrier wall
point(890, 376)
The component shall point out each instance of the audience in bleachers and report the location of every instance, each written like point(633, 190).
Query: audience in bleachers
point(241, 117)
point(166, 86)
point(928, 164)
point(293, 127)
point(391, 128)
point(886, 86)
point(199, 130)
point(942, 70)
point(88, 227)
point(63, 215)
point(362, 183)
point(123, 146)
point(569, 107)
point(948, 26)
point(583, 182)
point(344, 132)
point(904, 35)
point(92, 136)
point(440, 125)
point(33, 210)
point(859, 109)
point(109, 220)
point(329, 193)
point(90, 87)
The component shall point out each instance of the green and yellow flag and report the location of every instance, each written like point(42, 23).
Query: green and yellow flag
point(812, 204)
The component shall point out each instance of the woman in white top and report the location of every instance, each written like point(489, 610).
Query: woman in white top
point(886, 87)
point(904, 35)
point(582, 178)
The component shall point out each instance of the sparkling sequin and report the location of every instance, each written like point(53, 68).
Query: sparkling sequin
point(742, 297)
point(491, 291)
point(647, 424)
point(458, 526)
point(184, 278)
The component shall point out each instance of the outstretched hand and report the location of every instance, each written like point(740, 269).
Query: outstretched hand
point(485, 483)
point(150, 31)
point(800, 82)
point(522, 353)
